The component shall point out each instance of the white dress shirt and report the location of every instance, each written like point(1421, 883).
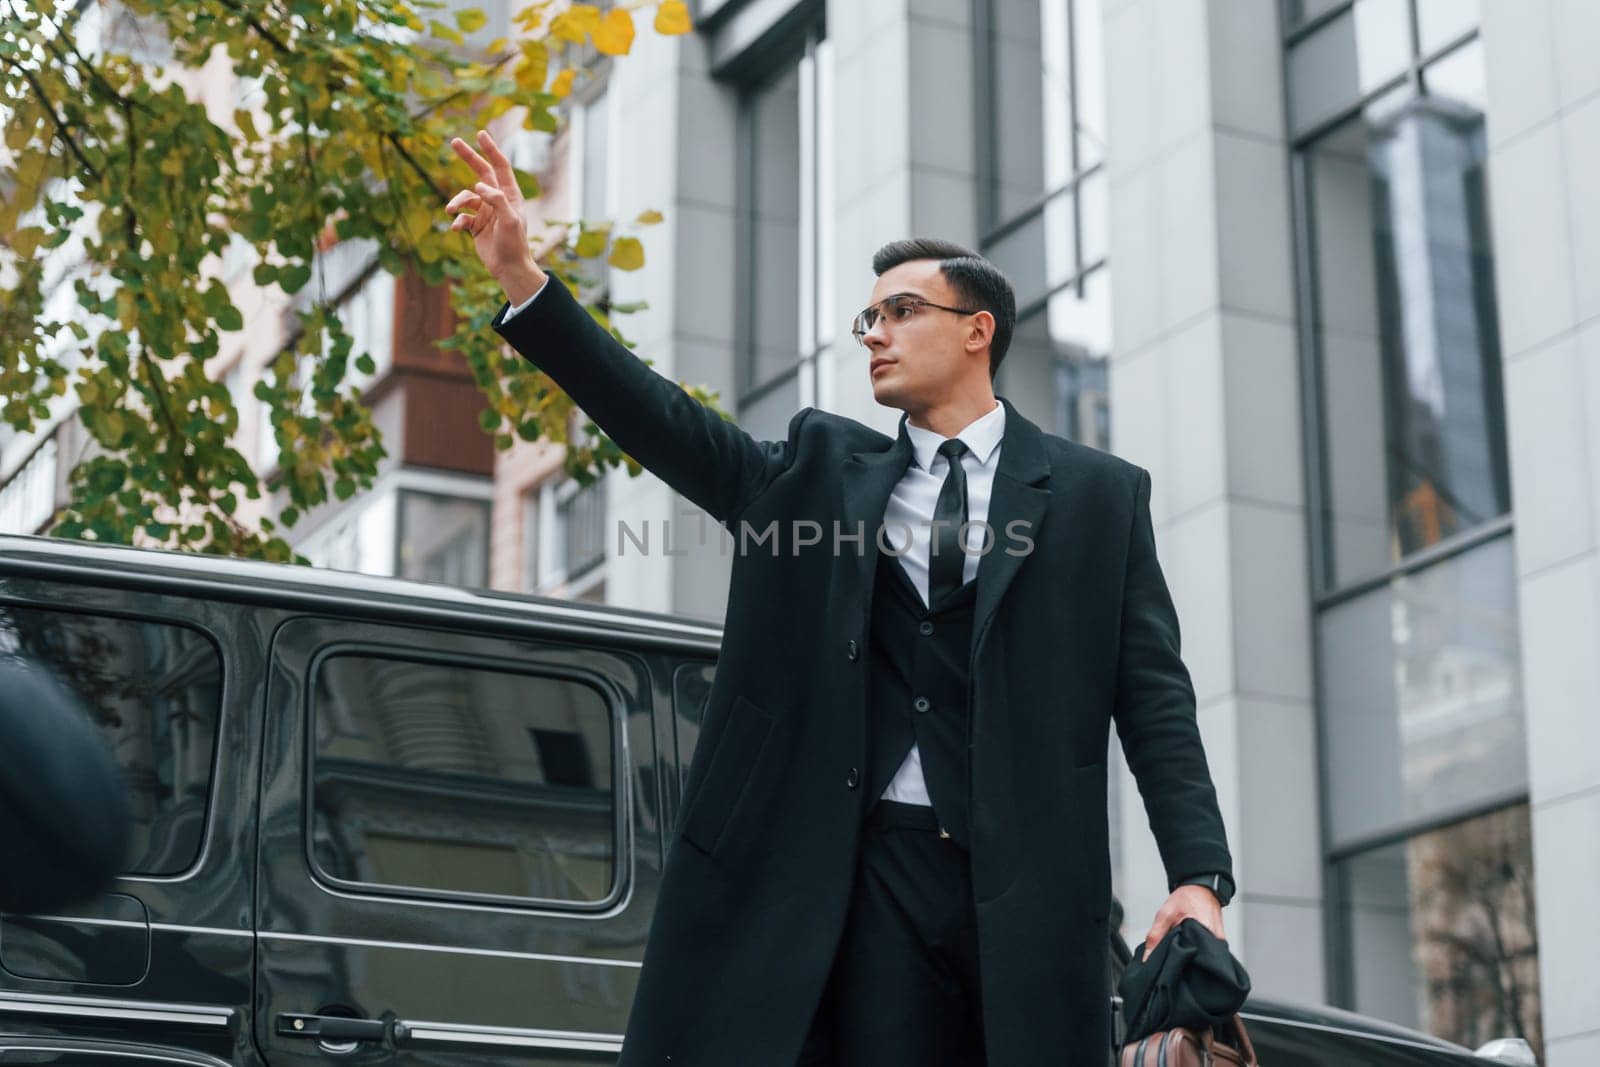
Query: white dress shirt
point(911, 506)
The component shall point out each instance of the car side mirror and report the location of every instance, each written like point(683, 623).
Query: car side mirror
point(1508, 1050)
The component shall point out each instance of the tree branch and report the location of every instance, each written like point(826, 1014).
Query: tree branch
point(62, 130)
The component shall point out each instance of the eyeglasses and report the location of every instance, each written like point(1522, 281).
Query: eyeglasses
point(897, 308)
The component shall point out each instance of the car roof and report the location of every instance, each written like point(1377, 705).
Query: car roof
point(292, 585)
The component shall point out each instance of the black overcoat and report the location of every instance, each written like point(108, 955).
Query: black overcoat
point(1071, 633)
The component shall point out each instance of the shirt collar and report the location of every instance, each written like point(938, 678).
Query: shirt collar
point(982, 435)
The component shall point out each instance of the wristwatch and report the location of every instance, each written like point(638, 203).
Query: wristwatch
point(1218, 883)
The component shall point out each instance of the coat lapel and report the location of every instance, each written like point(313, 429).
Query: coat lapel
point(869, 478)
point(1019, 495)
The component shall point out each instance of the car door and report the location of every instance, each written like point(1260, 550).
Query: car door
point(459, 846)
point(159, 965)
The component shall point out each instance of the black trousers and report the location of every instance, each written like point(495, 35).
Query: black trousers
point(904, 985)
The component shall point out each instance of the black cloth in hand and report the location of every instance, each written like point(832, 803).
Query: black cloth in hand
point(1191, 980)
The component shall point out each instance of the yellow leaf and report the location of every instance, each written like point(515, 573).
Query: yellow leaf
point(246, 123)
point(24, 119)
point(497, 45)
point(416, 222)
point(567, 27)
point(563, 84)
point(648, 218)
point(26, 241)
point(626, 253)
point(590, 244)
point(587, 16)
point(470, 19)
point(534, 67)
point(615, 35)
point(673, 17)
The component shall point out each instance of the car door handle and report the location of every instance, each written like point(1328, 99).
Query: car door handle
point(331, 1027)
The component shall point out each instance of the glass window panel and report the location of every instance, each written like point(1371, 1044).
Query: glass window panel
point(1048, 82)
point(1407, 334)
point(1089, 80)
point(766, 417)
point(1018, 111)
point(1055, 370)
point(1039, 254)
point(1421, 694)
point(1440, 931)
point(1441, 21)
point(155, 691)
point(456, 779)
point(1094, 216)
point(444, 539)
point(1459, 77)
point(582, 518)
point(826, 310)
point(1346, 59)
point(1297, 13)
point(774, 205)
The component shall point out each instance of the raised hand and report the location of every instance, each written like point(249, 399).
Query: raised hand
point(491, 211)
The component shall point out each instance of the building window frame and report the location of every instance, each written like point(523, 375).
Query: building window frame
point(1324, 592)
point(817, 335)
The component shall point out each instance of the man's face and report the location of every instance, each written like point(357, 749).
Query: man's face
point(920, 357)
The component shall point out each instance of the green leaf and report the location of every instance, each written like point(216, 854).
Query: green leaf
point(293, 277)
point(443, 32)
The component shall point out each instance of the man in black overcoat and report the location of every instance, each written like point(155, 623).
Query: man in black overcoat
point(893, 846)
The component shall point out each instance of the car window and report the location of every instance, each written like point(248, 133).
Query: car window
point(449, 778)
point(155, 691)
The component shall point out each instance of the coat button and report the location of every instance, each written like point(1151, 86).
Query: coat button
point(926, 628)
point(851, 650)
point(921, 704)
point(853, 779)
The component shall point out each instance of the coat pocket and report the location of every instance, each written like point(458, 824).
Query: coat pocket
point(727, 775)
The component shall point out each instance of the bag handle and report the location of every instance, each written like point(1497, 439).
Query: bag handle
point(1208, 1038)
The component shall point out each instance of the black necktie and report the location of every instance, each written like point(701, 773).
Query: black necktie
point(946, 559)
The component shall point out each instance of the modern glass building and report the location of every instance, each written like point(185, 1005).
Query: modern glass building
point(1354, 333)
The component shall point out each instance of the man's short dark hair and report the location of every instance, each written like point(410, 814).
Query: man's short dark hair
point(977, 283)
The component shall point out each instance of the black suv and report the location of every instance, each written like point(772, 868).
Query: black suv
point(383, 821)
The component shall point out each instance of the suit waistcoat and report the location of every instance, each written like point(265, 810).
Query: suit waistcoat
point(917, 691)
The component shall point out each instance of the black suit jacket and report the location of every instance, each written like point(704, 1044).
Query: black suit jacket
point(1068, 638)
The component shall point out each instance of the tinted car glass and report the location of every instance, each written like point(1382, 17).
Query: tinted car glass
point(155, 690)
point(453, 779)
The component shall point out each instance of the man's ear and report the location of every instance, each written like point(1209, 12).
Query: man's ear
point(981, 332)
